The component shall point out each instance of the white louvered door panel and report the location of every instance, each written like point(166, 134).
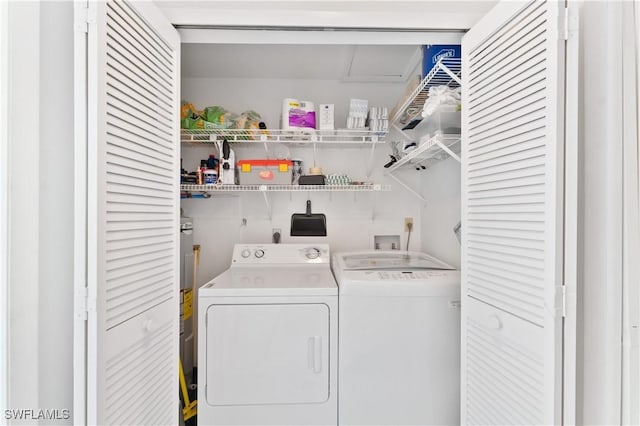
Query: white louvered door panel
point(512, 209)
point(133, 212)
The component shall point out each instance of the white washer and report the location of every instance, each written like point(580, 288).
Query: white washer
point(268, 338)
point(399, 339)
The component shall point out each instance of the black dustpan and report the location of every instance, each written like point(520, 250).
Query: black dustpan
point(308, 224)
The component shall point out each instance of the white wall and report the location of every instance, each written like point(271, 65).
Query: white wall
point(600, 269)
point(24, 137)
point(40, 102)
point(441, 211)
point(56, 207)
point(353, 218)
point(631, 220)
point(4, 185)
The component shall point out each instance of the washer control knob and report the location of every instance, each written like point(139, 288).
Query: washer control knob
point(259, 253)
point(245, 253)
point(312, 253)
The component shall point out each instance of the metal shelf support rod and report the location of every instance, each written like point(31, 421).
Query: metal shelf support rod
point(452, 75)
point(402, 132)
point(314, 139)
point(266, 201)
point(407, 187)
point(447, 150)
point(371, 157)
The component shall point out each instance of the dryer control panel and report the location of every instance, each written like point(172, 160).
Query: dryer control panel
point(280, 254)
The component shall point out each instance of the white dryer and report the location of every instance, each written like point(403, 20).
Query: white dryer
point(268, 338)
point(399, 339)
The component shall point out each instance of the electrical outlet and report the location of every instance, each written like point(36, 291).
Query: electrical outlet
point(408, 224)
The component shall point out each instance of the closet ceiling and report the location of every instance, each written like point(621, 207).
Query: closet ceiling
point(326, 62)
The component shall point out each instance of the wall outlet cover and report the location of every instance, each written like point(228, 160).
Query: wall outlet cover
point(408, 223)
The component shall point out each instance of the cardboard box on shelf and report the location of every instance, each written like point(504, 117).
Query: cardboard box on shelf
point(432, 53)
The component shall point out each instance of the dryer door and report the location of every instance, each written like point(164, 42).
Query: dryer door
point(267, 354)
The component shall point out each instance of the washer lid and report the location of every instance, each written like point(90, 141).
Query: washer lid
point(304, 280)
point(390, 260)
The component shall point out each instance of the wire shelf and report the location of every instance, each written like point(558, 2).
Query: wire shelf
point(446, 72)
point(431, 149)
point(302, 136)
point(365, 187)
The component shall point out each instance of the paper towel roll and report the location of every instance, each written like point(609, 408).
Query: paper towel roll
point(287, 105)
point(298, 114)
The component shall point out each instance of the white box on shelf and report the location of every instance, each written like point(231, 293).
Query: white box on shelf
point(326, 119)
point(358, 109)
point(379, 119)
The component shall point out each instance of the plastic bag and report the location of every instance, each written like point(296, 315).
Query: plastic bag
point(249, 120)
point(190, 117)
point(441, 96)
point(218, 117)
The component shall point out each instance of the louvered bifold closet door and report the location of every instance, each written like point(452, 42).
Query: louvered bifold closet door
point(133, 209)
point(512, 163)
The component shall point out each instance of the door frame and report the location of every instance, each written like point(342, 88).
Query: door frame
point(4, 206)
point(296, 36)
point(631, 217)
point(571, 214)
point(570, 200)
point(80, 11)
